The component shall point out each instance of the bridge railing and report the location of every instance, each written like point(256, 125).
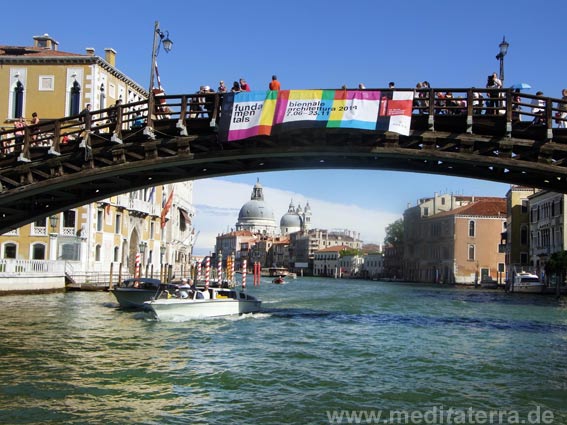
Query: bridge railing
point(197, 111)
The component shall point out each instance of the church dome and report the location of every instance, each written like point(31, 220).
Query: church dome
point(256, 215)
point(290, 221)
point(255, 210)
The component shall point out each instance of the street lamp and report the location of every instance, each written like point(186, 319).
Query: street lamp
point(160, 38)
point(500, 56)
point(142, 247)
point(53, 220)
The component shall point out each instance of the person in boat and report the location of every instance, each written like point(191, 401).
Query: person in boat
point(184, 289)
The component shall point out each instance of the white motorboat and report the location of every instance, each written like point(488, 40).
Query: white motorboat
point(206, 303)
point(527, 283)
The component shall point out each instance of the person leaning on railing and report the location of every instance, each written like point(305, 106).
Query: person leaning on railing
point(562, 113)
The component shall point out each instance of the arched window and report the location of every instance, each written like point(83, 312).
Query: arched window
point(471, 253)
point(97, 253)
point(116, 254)
point(38, 251)
point(472, 229)
point(10, 250)
point(102, 97)
point(75, 100)
point(19, 100)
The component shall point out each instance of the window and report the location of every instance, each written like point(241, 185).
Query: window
point(10, 250)
point(75, 100)
point(426, 211)
point(102, 97)
point(69, 218)
point(18, 100)
point(472, 229)
point(152, 230)
point(97, 253)
point(38, 251)
point(523, 257)
point(471, 253)
point(117, 223)
point(46, 83)
point(524, 235)
point(116, 254)
point(99, 215)
point(42, 222)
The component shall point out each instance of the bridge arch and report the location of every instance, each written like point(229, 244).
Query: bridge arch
point(69, 165)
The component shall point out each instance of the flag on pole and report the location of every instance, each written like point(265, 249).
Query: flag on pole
point(166, 208)
point(159, 86)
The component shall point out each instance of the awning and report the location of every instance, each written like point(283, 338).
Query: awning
point(185, 215)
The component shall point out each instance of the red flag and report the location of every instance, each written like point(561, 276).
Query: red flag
point(166, 208)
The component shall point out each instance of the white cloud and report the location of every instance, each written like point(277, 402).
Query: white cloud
point(217, 203)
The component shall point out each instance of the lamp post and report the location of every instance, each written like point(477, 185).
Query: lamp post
point(500, 56)
point(53, 220)
point(142, 248)
point(160, 38)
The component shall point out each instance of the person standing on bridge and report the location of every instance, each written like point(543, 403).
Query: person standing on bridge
point(20, 125)
point(85, 116)
point(274, 84)
point(562, 113)
point(493, 82)
point(222, 87)
point(235, 87)
point(244, 85)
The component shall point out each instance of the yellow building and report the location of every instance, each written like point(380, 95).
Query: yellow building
point(55, 84)
point(112, 232)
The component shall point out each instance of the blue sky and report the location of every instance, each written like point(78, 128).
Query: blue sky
point(316, 44)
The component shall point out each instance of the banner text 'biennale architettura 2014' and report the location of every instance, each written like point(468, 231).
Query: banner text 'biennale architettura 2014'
point(250, 114)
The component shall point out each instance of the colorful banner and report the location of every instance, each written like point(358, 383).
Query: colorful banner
point(252, 114)
point(396, 113)
point(247, 114)
point(327, 108)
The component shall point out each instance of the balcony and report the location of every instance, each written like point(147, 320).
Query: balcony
point(137, 205)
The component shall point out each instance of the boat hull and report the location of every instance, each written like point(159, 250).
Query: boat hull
point(132, 298)
point(167, 309)
point(529, 289)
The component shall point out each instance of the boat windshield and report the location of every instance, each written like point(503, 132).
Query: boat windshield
point(529, 279)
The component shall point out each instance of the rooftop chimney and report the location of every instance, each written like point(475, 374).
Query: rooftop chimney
point(45, 42)
point(90, 51)
point(110, 56)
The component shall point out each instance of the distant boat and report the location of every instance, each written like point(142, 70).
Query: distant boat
point(278, 280)
point(210, 302)
point(527, 283)
point(282, 272)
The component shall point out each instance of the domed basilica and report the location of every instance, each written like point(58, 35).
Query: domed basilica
point(257, 216)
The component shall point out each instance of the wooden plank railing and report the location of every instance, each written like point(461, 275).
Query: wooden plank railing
point(199, 111)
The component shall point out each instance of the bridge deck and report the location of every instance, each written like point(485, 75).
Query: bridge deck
point(65, 163)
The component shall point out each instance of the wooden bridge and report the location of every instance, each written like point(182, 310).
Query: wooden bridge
point(61, 164)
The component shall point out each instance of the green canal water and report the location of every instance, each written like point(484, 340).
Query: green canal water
point(322, 351)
